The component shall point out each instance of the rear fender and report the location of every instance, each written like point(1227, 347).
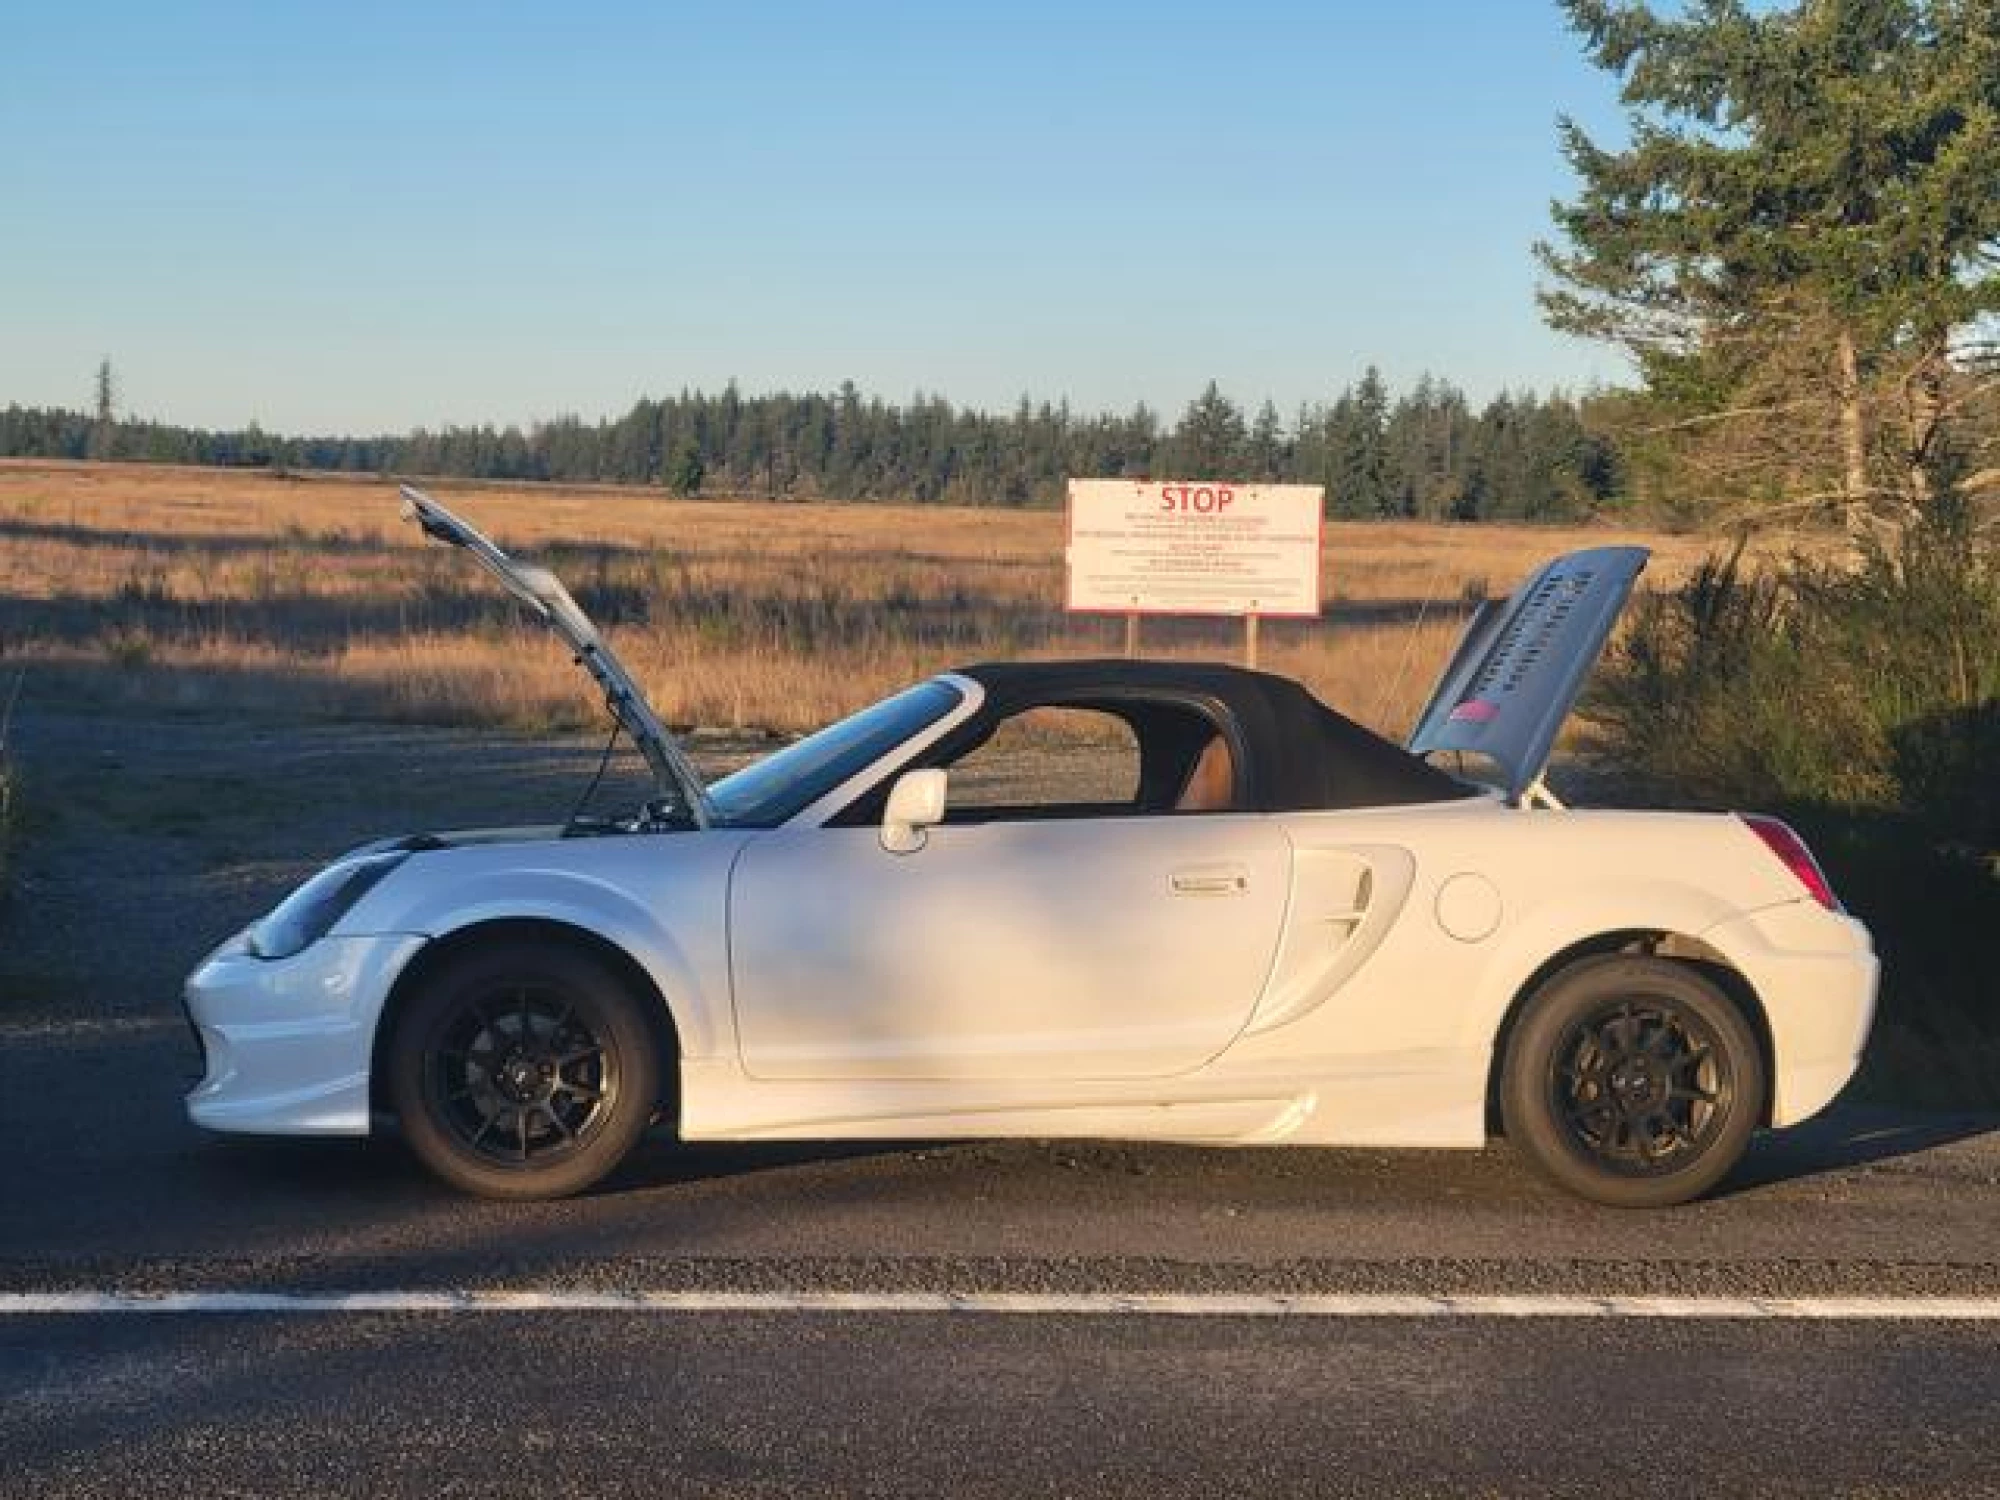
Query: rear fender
point(1566, 922)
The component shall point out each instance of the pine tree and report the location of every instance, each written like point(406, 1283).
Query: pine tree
point(685, 470)
point(1799, 241)
point(1209, 442)
point(1266, 449)
point(104, 431)
point(1357, 458)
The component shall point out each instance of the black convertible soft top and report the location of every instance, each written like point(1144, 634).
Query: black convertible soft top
point(1300, 755)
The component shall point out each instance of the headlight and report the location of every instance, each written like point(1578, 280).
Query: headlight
point(308, 914)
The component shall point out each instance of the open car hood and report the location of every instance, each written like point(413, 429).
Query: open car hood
point(1520, 665)
point(544, 593)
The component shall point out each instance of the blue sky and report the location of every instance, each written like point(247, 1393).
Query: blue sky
point(369, 217)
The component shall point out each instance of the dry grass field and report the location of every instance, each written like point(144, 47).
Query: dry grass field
point(262, 592)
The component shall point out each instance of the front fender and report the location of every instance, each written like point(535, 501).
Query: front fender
point(668, 916)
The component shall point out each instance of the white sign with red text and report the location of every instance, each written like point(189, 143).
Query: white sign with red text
point(1182, 547)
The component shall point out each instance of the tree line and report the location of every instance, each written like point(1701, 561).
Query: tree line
point(1424, 453)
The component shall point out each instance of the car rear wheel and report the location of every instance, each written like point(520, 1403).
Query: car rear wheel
point(1635, 1082)
point(523, 1070)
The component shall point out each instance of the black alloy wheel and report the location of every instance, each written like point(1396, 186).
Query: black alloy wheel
point(518, 1077)
point(1633, 1081)
point(523, 1070)
point(1640, 1087)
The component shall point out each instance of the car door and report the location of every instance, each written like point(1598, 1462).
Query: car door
point(1070, 948)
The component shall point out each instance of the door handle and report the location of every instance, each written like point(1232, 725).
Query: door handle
point(1210, 880)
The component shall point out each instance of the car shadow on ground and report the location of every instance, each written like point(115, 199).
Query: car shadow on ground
point(1840, 1140)
point(661, 1161)
point(381, 1166)
point(1844, 1138)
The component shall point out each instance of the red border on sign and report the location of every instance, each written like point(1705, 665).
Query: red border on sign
point(1319, 553)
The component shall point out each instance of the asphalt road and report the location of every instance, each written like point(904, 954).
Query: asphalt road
point(108, 1190)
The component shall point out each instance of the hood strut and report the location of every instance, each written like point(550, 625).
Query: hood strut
point(544, 593)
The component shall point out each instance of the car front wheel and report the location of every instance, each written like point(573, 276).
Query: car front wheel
point(523, 1070)
point(1633, 1081)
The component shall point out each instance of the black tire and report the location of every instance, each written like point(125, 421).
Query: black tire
point(523, 1070)
point(1634, 1082)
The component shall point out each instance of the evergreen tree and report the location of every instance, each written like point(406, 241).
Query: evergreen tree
point(1357, 479)
point(1209, 442)
point(685, 469)
point(1800, 240)
point(104, 431)
point(1426, 443)
point(1266, 451)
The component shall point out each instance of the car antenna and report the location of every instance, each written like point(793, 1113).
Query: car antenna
point(1410, 642)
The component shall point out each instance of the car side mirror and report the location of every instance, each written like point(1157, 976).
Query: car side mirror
point(916, 802)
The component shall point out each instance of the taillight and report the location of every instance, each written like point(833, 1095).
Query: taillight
point(1791, 850)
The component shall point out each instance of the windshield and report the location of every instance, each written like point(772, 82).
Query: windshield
point(782, 785)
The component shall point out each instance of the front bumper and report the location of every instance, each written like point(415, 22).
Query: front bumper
point(1815, 973)
point(286, 1043)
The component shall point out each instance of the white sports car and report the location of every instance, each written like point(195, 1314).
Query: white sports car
point(1225, 915)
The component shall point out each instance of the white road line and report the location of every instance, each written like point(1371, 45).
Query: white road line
point(1983, 1309)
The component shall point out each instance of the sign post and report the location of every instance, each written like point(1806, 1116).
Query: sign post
point(1147, 547)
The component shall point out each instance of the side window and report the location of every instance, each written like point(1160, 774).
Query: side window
point(1048, 762)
